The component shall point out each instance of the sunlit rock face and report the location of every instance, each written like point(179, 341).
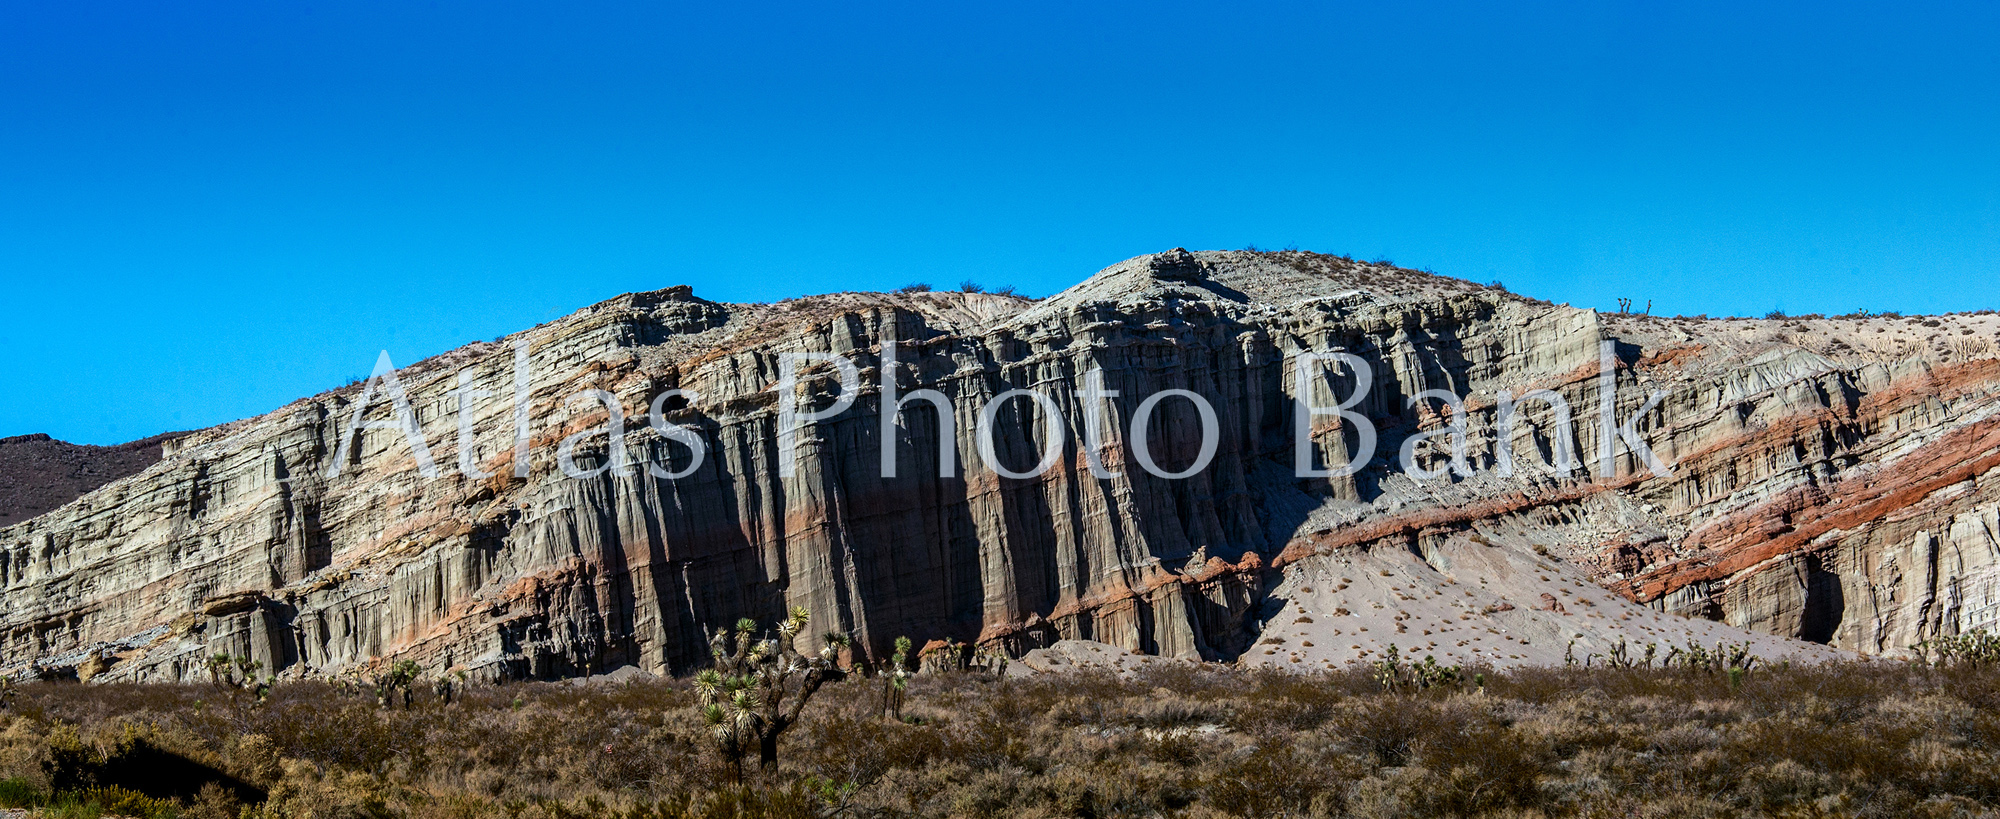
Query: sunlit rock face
point(1828, 480)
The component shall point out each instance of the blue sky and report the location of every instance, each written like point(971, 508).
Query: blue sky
point(209, 209)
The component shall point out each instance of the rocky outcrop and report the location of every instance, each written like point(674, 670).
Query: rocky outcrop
point(1829, 482)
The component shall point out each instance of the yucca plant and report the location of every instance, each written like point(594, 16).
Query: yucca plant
point(758, 688)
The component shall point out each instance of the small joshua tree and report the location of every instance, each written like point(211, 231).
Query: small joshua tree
point(1431, 674)
point(1621, 656)
point(1737, 659)
point(897, 680)
point(1733, 659)
point(447, 685)
point(758, 688)
point(1971, 649)
point(222, 671)
point(399, 681)
point(1393, 672)
point(238, 674)
point(1389, 670)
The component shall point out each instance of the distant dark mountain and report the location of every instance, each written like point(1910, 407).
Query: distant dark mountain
point(39, 473)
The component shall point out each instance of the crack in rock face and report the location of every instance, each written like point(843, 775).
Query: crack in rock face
point(1830, 488)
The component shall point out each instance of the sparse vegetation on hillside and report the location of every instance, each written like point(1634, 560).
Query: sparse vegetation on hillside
point(1876, 739)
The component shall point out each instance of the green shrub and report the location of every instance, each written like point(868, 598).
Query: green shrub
point(18, 793)
point(115, 801)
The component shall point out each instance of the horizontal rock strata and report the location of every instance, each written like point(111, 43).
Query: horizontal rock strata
point(1830, 482)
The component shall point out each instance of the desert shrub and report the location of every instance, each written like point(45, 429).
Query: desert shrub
point(126, 758)
point(1277, 780)
point(1286, 702)
point(91, 802)
point(1390, 728)
point(116, 801)
point(1863, 739)
point(18, 793)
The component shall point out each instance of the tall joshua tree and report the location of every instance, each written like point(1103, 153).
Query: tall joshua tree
point(758, 688)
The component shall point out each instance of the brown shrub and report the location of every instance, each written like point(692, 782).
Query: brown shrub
point(1863, 739)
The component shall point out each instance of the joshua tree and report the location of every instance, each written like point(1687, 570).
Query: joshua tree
point(222, 671)
point(1724, 657)
point(447, 685)
point(1394, 672)
point(950, 655)
point(1621, 656)
point(238, 674)
point(1973, 648)
point(400, 679)
point(897, 680)
point(941, 657)
point(6, 693)
point(758, 688)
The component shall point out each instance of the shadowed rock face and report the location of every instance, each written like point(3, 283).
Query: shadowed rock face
point(1830, 483)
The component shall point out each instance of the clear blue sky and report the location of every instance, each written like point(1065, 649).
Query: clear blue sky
point(209, 209)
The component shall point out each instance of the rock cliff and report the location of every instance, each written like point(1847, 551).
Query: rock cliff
point(1827, 487)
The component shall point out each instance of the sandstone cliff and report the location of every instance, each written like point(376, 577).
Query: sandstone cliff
point(1830, 483)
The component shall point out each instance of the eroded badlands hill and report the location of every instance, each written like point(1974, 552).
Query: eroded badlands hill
point(1830, 482)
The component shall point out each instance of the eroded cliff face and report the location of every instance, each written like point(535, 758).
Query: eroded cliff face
point(1827, 485)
